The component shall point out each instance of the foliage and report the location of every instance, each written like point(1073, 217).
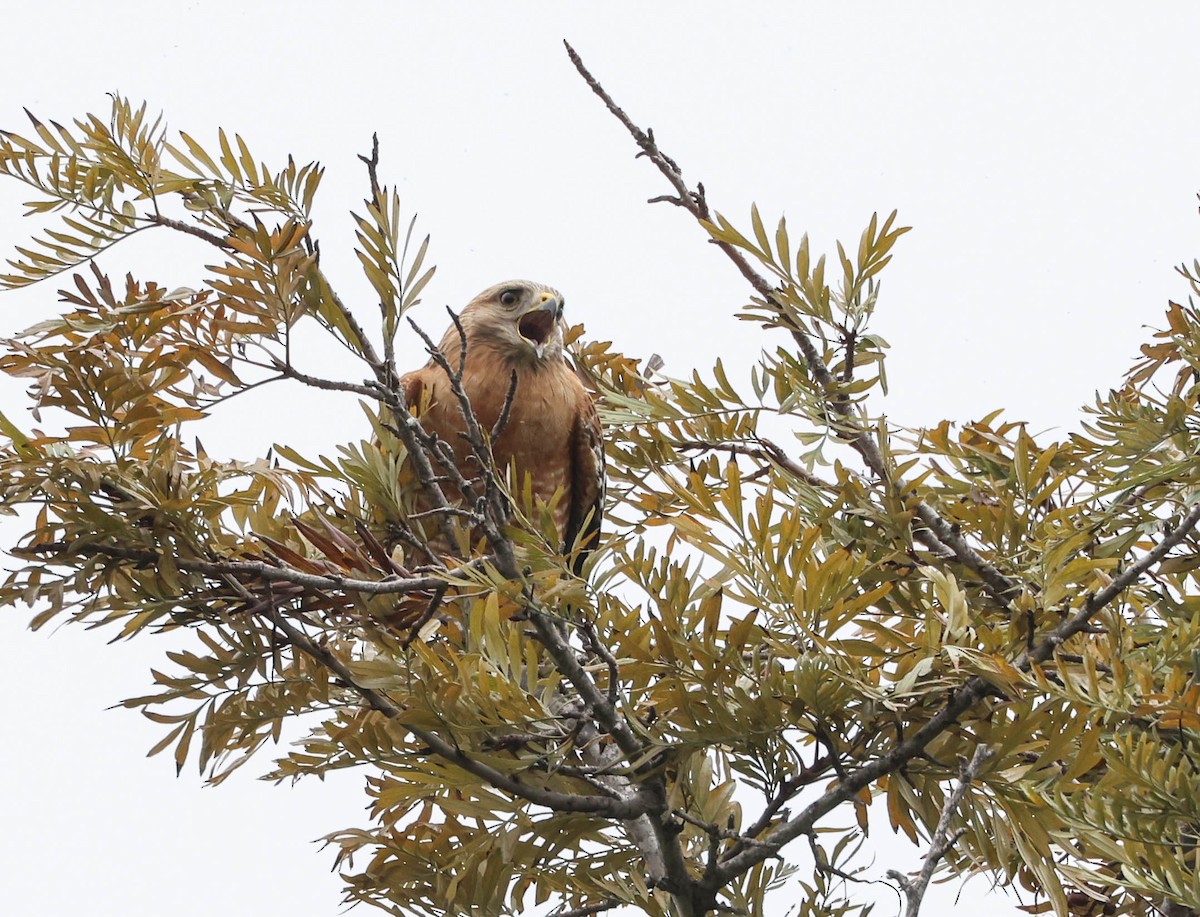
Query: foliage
point(768, 641)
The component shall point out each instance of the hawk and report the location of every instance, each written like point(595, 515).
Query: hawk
point(552, 432)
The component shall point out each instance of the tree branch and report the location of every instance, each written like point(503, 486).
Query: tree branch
point(179, 226)
point(658, 843)
point(589, 909)
point(1002, 589)
point(389, 585)
point(331, 385)
point(943, 839)
point(497, 516)
point(765, 451)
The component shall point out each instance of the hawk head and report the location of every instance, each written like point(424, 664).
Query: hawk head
point(519, 319)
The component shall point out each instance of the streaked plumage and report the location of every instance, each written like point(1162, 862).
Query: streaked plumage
point(552, 432)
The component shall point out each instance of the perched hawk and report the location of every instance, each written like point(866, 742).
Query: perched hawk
point(552, 433)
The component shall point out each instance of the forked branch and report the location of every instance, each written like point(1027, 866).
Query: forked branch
point(1001, 588)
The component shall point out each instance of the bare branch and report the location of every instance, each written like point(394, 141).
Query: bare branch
point(502, 420)
point(180, 226)
point(1002, 589)
point(588, 629)
point(419, 445)
point(330, 385)
point(389, 585)
point(783, 795)
point(766, 451)
point(431, 609)
point(372, 163)
point(606, 714)
point(589, 909)
point(943, 838)
point(850, 343)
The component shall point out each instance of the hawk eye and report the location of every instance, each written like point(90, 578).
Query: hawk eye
point(510, 297)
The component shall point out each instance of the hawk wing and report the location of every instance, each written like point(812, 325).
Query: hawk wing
point(553, 432)
point(582, 532)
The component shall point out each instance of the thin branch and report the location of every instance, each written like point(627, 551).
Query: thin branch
point(455, 511)
point(419, 445)
point(331, 385)
point(589, 909)
point(462, 343)
point(1119, 583)
point(1002, 589)
point(502, 420)
point(409, 536)
point(610, 661)
point(605, 713)
point(373, 167)
point(765, 451)
point(180, 226)
point(713, 830)
point(786, 792)
point(943, 838)
point(389, 585)
point(431, 609)
point(850, 342)
point(224, 213)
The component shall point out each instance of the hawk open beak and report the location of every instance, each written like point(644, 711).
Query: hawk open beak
point(537, 324)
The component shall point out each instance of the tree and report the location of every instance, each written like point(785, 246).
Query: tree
point(992, 633)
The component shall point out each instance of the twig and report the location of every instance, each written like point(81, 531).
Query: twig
point(389, 585)
point(417, 442)
point(191, 230)
point(943, 838)
point(850, 340)
point(589, 909)
point(409, 536)
point(331, 385)
point(593, 639)
point(786, 792)
point(502, 420)
point(766, 451)
point(224, 213)
point(462, 344)
point(373, 167)
point(415, 629)
point(455, 511)
point(713, 830)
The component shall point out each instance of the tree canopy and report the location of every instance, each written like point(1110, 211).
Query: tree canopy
point(798, 606)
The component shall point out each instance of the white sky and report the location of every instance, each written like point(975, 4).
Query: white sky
point(1047, 158)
